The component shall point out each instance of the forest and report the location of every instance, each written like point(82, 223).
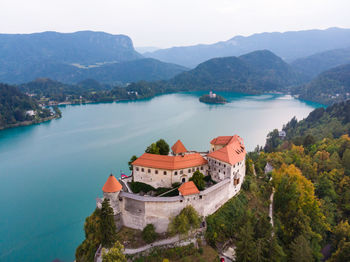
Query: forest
point(310, 180)
point(14, 105)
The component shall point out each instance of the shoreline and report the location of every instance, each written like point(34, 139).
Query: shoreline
point(29, 123)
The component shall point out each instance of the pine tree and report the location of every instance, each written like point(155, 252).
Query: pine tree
point(276, 253)
point(108, 228)
point(346, 160)
point(300, 250)
point(245, 251)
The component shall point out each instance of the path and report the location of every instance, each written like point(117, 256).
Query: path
point(164, 242)
point(271, 206)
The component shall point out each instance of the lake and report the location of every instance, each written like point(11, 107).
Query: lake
point(51, 173)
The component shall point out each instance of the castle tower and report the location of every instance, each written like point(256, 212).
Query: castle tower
point(178, 148)
point(111, 190)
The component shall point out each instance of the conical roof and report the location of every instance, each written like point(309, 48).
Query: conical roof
point(112, 185)
point(178, 147)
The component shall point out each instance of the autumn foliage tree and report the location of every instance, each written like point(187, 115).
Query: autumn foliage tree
point(297, 208)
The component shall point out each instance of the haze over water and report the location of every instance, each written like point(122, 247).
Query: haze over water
point(51, 173)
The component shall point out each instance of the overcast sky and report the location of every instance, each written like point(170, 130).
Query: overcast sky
point(164, 23)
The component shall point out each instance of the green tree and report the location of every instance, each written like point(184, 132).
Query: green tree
point(187, 219)
point(342, 253)
point(149, 234)
point(86, 251)
point(163, 147)
point(198, 180)
point(346, 160)
point(300, 250)
point(245, 250)
point(275, 253)
point(273, 141)
point(108, 228)
point(152, 149)
point(115, 254)
point(57, 111)
point(132, 159)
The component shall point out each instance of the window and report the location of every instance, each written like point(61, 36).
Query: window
point(142, 170)
point(175, 173)
point(156, 171)
point(224, 165)
point(200, 197)
point(137, 169)
point(201, 168)
point(149, 170)
point(164, 172)
point(189, 171)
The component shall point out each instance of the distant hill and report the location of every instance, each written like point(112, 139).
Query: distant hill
point(256, 72)
point(113, 73)
point(14, 104)
point(289, 46)
point(329, 87)
point(332, 121)
point(312, 65)
point(58, 91)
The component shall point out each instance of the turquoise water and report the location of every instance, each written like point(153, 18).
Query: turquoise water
point(51, 173)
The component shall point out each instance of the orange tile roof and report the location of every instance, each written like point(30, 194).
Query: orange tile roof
point(221, 140)
point(188, 188)
point(170, 162)
point(112, 185)
point(178, 147)
point(232, 153)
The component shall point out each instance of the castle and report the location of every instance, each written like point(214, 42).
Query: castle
point(224, 163)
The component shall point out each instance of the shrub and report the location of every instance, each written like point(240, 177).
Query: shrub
point(198, 179)
point(187, 219)
point(137, 187)
point(149, 234)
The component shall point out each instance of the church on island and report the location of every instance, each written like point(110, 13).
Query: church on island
point(223, 166)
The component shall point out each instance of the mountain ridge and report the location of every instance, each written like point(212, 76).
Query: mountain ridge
point(288, 45)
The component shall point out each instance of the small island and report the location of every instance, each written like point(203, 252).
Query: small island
point(212, 98)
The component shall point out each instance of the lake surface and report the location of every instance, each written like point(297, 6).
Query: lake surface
point(51, 173)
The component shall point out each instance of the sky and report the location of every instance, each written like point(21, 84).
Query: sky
point(166, 23)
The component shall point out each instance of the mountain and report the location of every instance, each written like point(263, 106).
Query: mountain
point(256, 72)
point(288, 45)
point(113, 73)
point(312, 65)
point(144, 49)
point(84, 47)
point(329, 87)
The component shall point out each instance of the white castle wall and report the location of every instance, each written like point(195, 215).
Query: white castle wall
point(138, 211)
point(164, 178)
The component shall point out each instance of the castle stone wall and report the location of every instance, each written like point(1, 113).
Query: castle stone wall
point(138, 211)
